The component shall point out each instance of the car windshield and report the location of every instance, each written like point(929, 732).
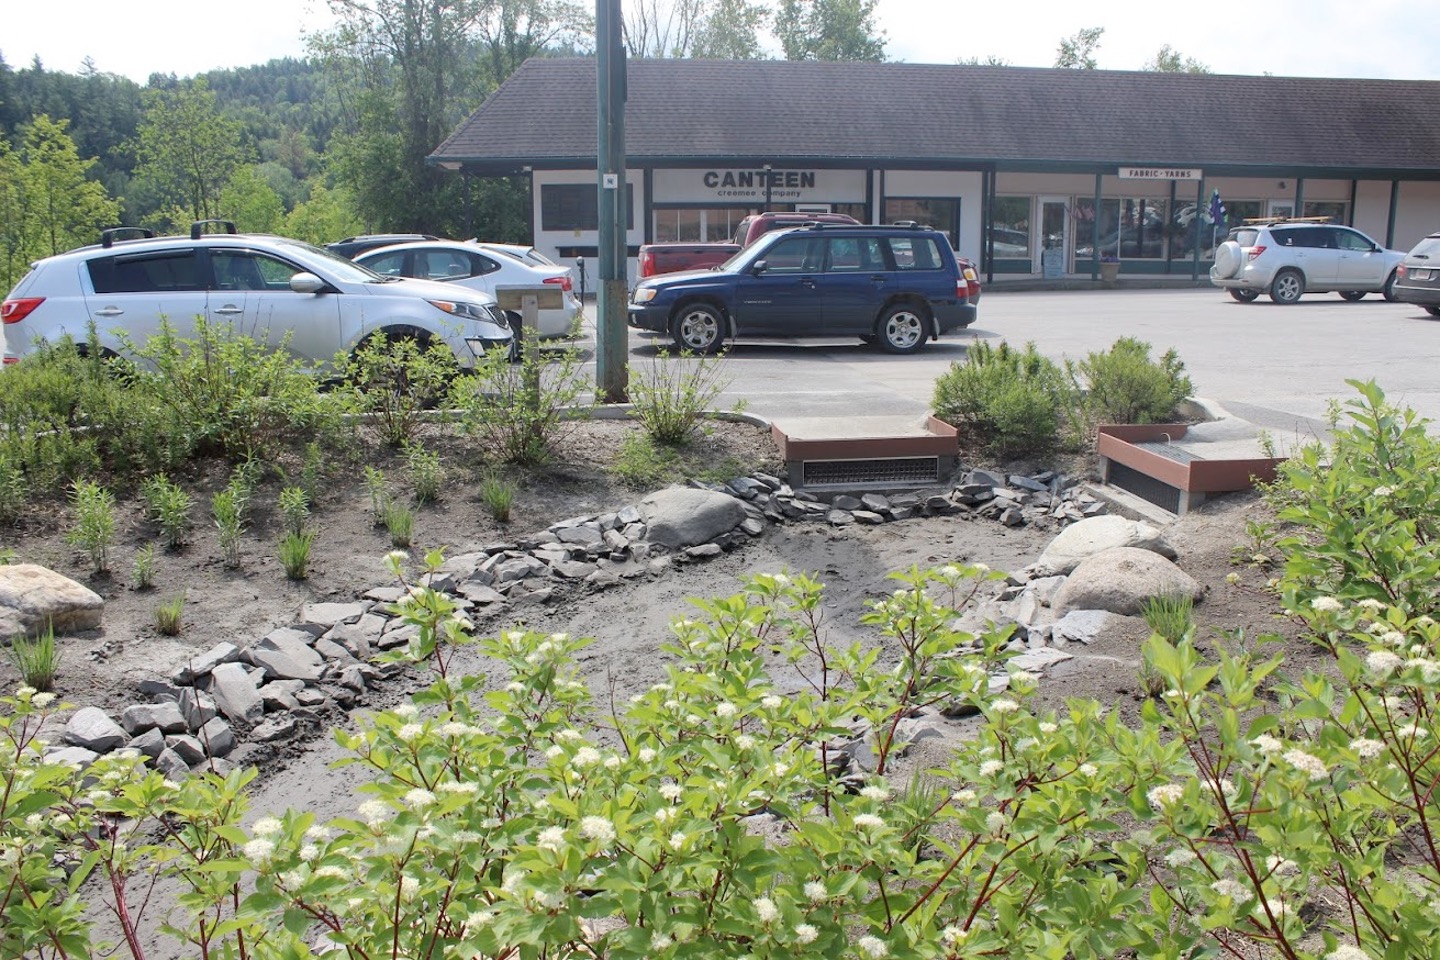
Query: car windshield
point(342, 267)
point(750, 254)
point(1427, 249)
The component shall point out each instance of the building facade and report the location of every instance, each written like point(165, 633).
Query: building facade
point(1029, 171)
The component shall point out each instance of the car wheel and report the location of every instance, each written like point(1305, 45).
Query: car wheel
point(1433, 311)
point(1352, 295)
point(1389, 291)
point(698, 328)
point(1287, 286)
point(1245, 296)
point(1229, 257)
point(902, 329)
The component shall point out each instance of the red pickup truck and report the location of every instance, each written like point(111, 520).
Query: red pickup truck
point(657, 258)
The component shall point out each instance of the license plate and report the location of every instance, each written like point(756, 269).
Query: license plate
point(1420, 274)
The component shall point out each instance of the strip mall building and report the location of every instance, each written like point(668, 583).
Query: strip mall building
point(1030, 171)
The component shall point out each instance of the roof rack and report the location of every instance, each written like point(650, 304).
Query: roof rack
point(197, 229)
point(1255, 221)
point(109, 235)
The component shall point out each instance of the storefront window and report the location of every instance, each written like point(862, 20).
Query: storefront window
point(1323, 208)
point(941, 214)
point(576, 206)
point(1010, 228)
point(697, 224)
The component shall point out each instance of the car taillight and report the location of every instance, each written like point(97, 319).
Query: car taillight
point(1255, 252)
point(647, 264)
point(13, 311)
point(564, 282)
point(1400, 272)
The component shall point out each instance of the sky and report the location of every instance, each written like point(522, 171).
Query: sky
point(1382, 39)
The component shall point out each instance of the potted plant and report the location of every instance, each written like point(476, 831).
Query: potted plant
point(1109, 268)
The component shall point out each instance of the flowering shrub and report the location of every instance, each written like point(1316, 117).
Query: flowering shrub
point(1247, 813)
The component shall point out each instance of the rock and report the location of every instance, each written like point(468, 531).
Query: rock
point(170, 764)
point(68, 756)
point(145, 716)
point(187, 748)
point(150, 743)
point(278, 728)
point(680, 517)
point(197, 667)
point(1036, 661)
point(573, 569)
point(1121, 580)
point(354, 640)
point(1080, 626)
point(353, 678)
point(285, 657)
point(92, 729)
point(329, 614)
point(1093, 535)
point(235, 694)
point(280, 694)
point(216, 737)
point(703, 551)
point(34, 599)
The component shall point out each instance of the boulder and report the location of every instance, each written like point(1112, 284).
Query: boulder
point(680, 517)
point(1121, 580)
point(166, 717)
point(1093, 535)
point(198, 666)
point(92, 729)
point(34, 598)
point(286, 657)
point(235, 694)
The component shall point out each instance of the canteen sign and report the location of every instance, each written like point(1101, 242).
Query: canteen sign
point(751, 185)
point(1160, 173)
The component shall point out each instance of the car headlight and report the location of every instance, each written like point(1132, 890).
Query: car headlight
point(462, 308)
point(644, 294)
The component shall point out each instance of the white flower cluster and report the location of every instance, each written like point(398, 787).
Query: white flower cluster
point(1165, 795)
point(1306, 763)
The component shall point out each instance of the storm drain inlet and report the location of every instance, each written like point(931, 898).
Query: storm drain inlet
point(892, 471)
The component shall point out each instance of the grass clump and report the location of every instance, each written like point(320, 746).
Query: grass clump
point(94, 527)
point(295, 554)
point(400, 524)
point(37, 659)
point(143, 570)
point(169, 616)
point(169, 506)
point(497, 496)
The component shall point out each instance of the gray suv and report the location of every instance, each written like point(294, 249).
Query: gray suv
point(262, 286)
point(1289, 258)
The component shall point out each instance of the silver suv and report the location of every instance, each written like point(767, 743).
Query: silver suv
point(259, 285)
point(1288, 258)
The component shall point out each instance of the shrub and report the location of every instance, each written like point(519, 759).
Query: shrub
point(426, 474)
point(396, 380)
point(519, 409)
point(94, 527)
point(228, 509)
point(1010, 403)
point(670, 395)
point(641, 464)
point(1124, 385)
point(379, 495)
point(12, 489)
point(294, 509)
point(37, 659)
point(169, 506)
point(144, 567)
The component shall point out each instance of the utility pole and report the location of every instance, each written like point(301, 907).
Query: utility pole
point(612, 374)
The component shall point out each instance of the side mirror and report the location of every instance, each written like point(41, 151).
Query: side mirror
point(307, 283)
point(759, 267)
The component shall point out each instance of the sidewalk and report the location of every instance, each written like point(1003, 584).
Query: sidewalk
point(1017, 283)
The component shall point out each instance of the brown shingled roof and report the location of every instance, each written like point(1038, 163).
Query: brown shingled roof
point(921, 115)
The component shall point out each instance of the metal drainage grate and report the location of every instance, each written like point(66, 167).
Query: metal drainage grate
point(1145, 487)
point(894, 471)
point(1168, 450)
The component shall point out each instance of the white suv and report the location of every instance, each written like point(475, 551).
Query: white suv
point(261, 286)
point(1288, 258)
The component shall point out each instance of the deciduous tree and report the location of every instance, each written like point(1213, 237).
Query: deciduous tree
point(1077, 51)
point(1169, 60)
point(829, 30)
point(187, 152)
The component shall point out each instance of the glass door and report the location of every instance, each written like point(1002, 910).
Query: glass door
point(1053, 238)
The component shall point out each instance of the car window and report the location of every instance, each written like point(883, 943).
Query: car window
point(855, 254)
point(1246, 238)
point(248, 270)
point(1350, 240)
point(484, 265)
point(794, 255)
point(915, 253)
point(1427, 249)
point(388, 264)
point(441, 264)
point(168, 271)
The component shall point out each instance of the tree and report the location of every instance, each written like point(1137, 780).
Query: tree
point(251, 202)
point(515, 30)
point(1077, 51)
point(1169, 60)
point(829, 30)
point(718, 29)
point(186, 152)
point(989, 60)
point(328, 215)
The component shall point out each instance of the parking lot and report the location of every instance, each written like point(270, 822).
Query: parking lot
point(1277, 366)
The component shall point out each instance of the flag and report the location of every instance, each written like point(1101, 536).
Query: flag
point(1217, 209)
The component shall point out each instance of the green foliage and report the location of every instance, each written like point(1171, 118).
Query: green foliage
point(670, 396)
point(379, 494)
point(1171, 616)
point(37, 659)
point(295, 553)
point(312, 471)
point(519, 409)
point(426, 474)
point(93, 529)
point(143, 570)
point(12, 489)
point(251, 203)
point(1011, 403)
point(169, 616)
point(327, 215)
point(169, 506)
point(396, 379)
point(186, 153)
point(1124, 385)
point(294, 509)
point(641, 464)
point(399, 523)
point(227, 507)
point(829, 30)
point(498, 497)
point(1169, 60)
point(1077, 51)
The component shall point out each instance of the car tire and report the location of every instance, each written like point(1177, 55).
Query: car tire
point(1351, 296)
point(1433, 311)
point(698, 328)
point(1287, 287)
point(902, 329)
point(1229, 258)
point(1388, 292)
point(1245, 296)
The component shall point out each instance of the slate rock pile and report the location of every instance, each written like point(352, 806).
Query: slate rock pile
point(283, 683)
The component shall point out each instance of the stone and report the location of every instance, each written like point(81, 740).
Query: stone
point(285, 657)
point(216, 737)
point(289, 636)
point(145, 716)
point(329, 614)
point(353, 678)
point(703, 551)
point(235, 693)
point(1036, 661)
point(277, 728)
point(72, 756)
point(480, 593)
point(350, 638)
point(1080, 626)
point(34, 599)
point(1121, 580)
point(573, 570)
point(92, 729)
point(150, 743)
point(680, 517)
point(198, 666)
point(280, 694)
point(839, 518)
point(159, 690)
point(170, 764)
point(1093, 535)
point(187, 748)
point(197, 708)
